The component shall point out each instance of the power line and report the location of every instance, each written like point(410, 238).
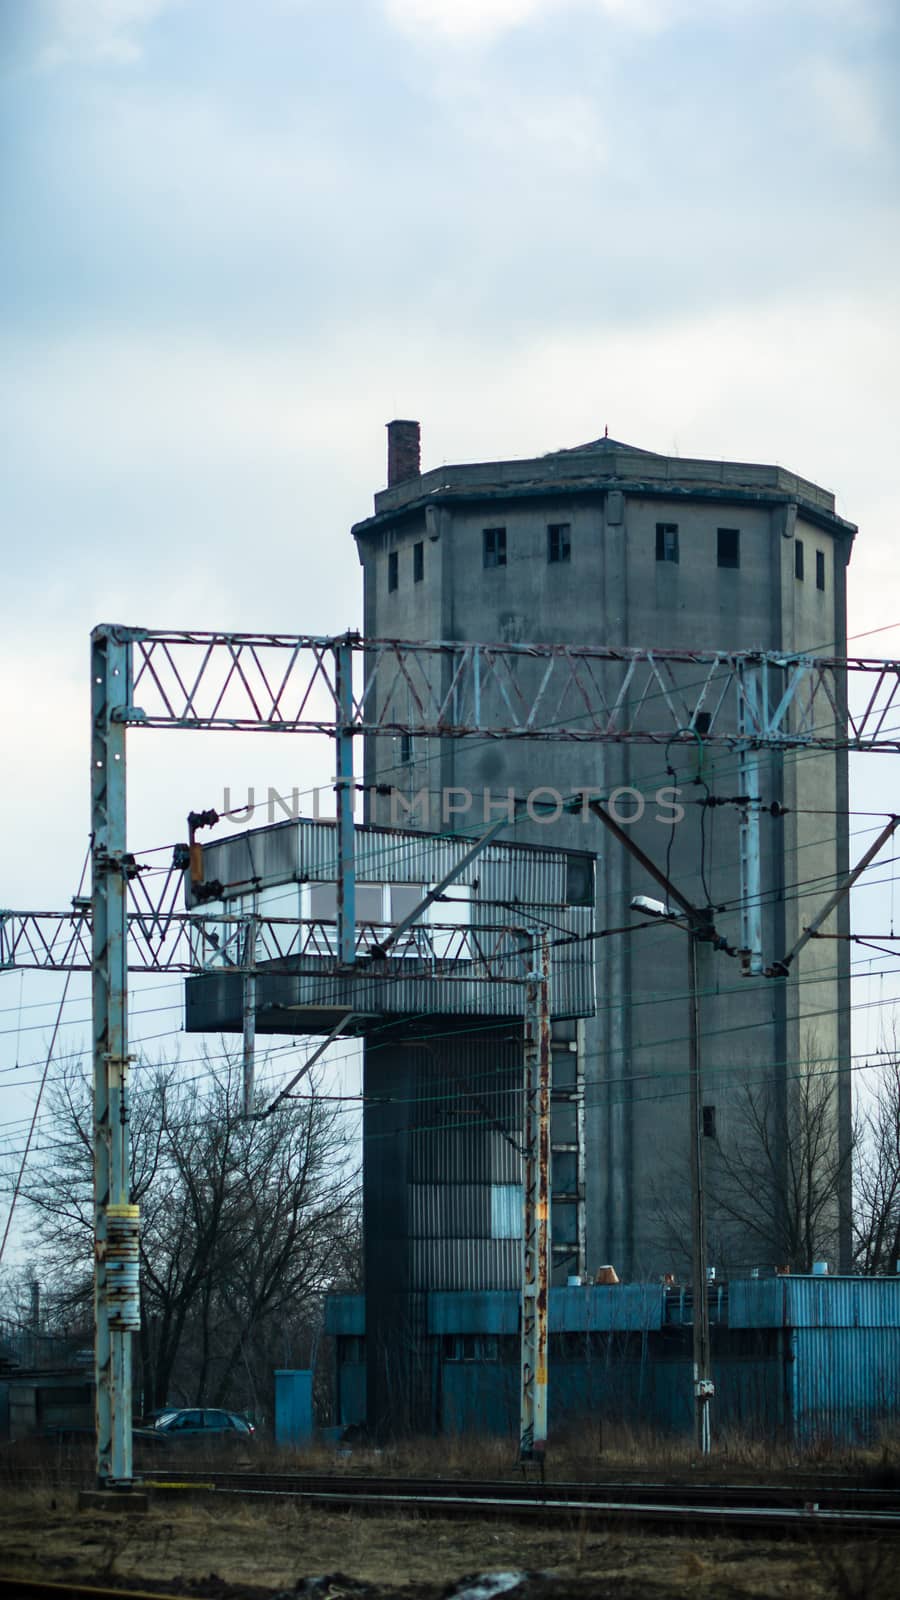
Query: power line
point(37, 1107)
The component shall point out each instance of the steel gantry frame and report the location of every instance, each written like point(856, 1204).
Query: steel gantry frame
point(348, 687)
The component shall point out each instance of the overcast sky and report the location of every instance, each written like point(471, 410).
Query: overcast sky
point(241, 237)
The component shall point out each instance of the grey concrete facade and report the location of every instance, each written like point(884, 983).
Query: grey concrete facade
point(429, 574)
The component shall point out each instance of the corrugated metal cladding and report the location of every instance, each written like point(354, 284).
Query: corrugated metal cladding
point(441, 1135)
point(622, 1308)
point(508, 883)
point(473, 1313)
point(464, 1143)
point(611, 1355)
point(813, 1302)
point(345, 1314)
point(483, 1263)
point(845, 1382)
point(300, 850)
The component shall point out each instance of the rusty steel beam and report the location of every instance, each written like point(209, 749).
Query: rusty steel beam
point(536, 1208)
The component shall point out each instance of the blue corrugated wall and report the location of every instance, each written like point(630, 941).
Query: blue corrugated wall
point(808, 1359)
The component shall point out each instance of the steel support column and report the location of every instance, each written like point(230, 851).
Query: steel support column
point(703, 1385)
point(751, 715)
point(115, 1221)
point(249, 1009)
point(345, 792)
point(536, 1225)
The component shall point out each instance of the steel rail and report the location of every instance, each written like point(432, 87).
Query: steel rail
point(806, 1504)
point(678, 1514)
point(833, 1492)
point(75, 1589)
point(837, 1496)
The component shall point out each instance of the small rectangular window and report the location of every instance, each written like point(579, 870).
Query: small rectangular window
point(709, 1122)
point(494, 547)
point(559, 541)
point(667, 541)
point(798, 558)
point(393, 571)
point(728, 547)
point(406, 749)
point(369, 902)
point(579, 880)
point(564, 1222)
point(820, 569)
point(404, 899)
point(565, 1172)
point(418, 562)
point(323, 902)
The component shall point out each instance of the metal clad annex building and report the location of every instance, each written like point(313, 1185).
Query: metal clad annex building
point(443, 1055)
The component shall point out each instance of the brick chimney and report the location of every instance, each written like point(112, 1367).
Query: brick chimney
point(403, 452)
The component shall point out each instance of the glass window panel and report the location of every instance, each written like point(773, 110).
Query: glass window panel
point(564, 1222)
point(564, 1067)
point(369, 902)
point(323, 902)
point(563, 1124)
point(404, 899)
point(565, 1172)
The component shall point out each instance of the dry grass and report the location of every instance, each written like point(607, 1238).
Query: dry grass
point(589, 1454)
point(273, 1546)
point(592, 1454)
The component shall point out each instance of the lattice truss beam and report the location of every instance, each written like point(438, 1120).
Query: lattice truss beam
point(56, 941)
point(280, 682)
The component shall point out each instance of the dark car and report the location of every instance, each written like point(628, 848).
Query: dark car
point(206, 1426)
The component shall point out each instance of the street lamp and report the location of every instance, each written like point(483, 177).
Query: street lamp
point(697, 928)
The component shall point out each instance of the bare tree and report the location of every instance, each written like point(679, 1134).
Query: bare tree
point(245, 1224)
point(774, 1172)
point(777, 1174)
point(876, 1178)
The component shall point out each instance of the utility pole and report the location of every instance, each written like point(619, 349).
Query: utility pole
point(750, 716)
point(116, 1220)
point(536, 1227)
point(704, 1388)
point(249, 1009)
point(345, 794)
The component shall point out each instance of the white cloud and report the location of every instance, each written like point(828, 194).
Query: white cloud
point(845, 103)
point(468, 20)
point(474, 21)
point(98, 30)
point(564, 131)
point(778, 381)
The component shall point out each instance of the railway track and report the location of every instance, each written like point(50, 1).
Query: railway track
point(739, 1508)
point(822, 1494)
point(816, 1507)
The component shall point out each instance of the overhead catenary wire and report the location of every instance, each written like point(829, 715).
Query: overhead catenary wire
point(797, 753)
point(21, 1173)
point(511, 1026)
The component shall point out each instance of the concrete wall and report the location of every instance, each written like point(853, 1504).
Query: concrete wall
point(614, 591)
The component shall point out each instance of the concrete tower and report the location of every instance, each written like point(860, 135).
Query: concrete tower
point(607, 544)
